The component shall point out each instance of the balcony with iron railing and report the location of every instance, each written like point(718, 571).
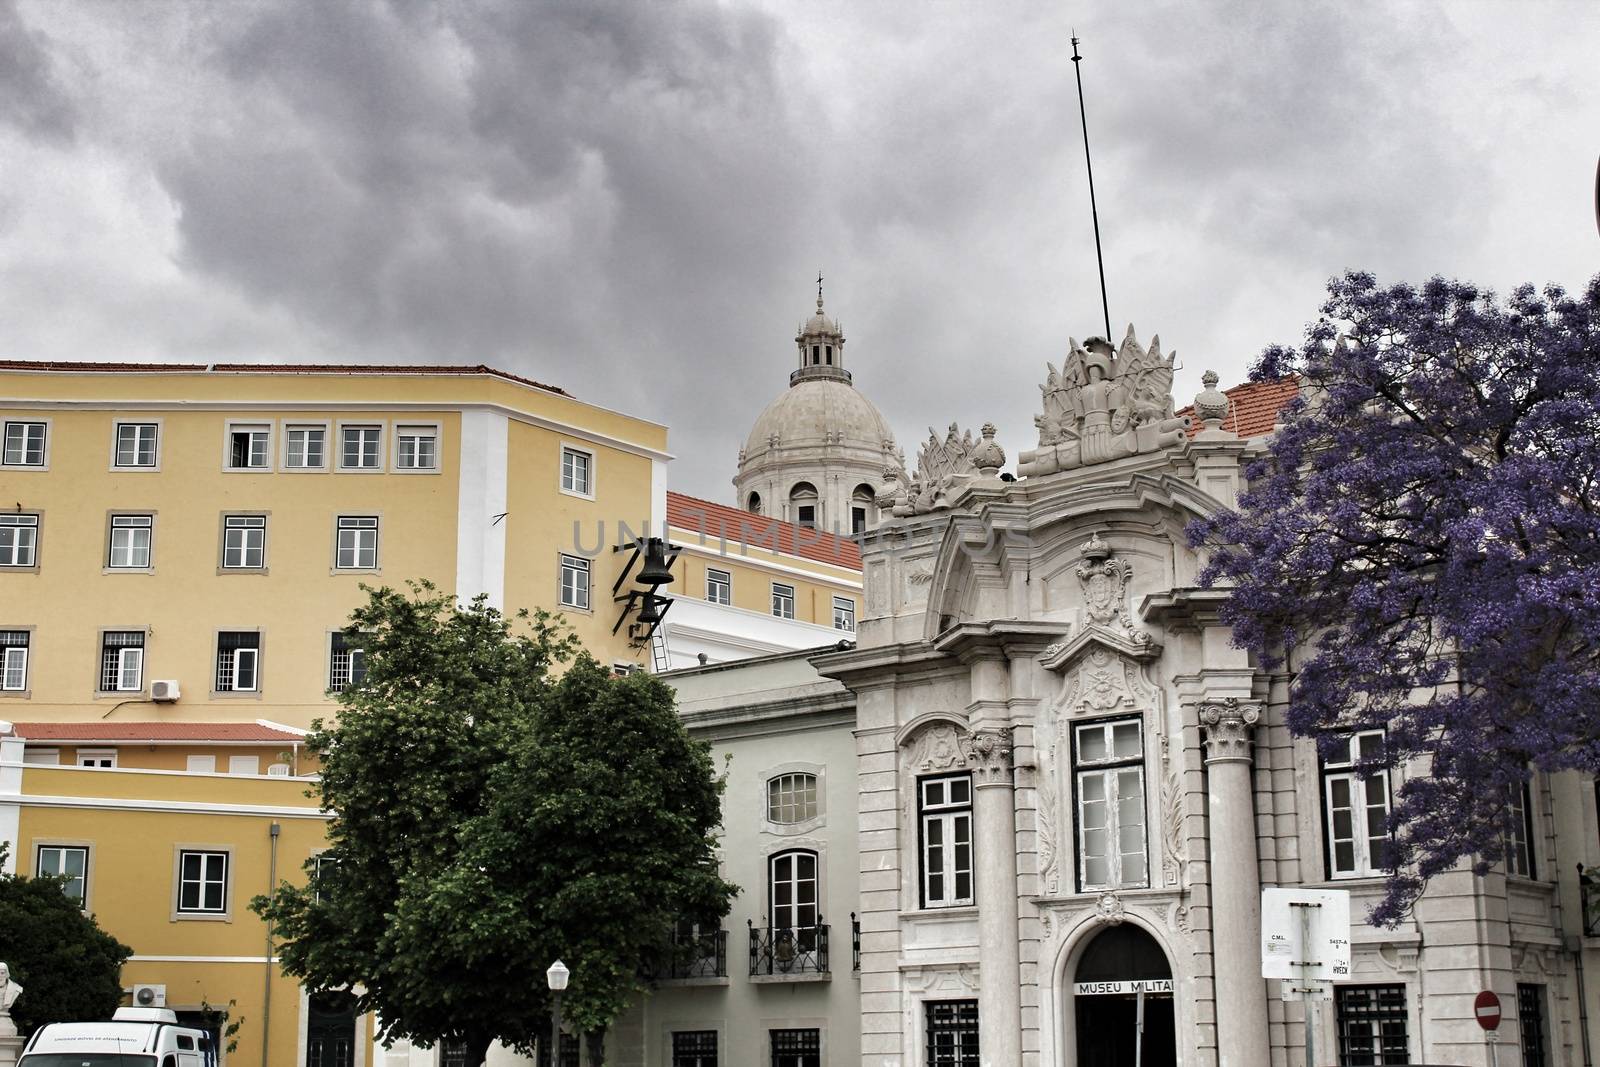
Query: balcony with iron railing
point(694, 956)
point(1589, 896)
point(789, 953)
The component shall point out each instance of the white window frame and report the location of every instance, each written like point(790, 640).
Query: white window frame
point(60, 848)
point(1521, 859)
point(244, 765)
point(725, 582)
point(778, 600)
point(137, 426)
point(290, 428)
point(403, 431)
point(238, 655)
point(795, 909)
point(200, 764)
point(207, 871)
point(1108, 773)
point(132, 522)
point(1363, 860)
point(358, 525)
point(844, 608)
point(102, 758)
point(17, 522)
point(129, 660)
point(44, 450)
point(575, 565)
point(377, 451)
point(251, 427)
point(245, 524)
point(349, 654)
point(795, 794)
point(569, 485)
point(940, 815)
point(14, 662)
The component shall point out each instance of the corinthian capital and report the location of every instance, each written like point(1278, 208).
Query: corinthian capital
point(1228, 726)
point(988, 754)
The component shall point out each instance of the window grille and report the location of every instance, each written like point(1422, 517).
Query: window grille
point(238, 661)
point(952, 1033)
point(453, 1054)
point(694, 1048)
point(1372, 1025)
point(121, 661)
point(796, 1048)
point(347, 663)
point(13, 660)
point(1530, 1017)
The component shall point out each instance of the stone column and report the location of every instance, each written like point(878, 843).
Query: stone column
point(988, 753)
point(1241, 1003)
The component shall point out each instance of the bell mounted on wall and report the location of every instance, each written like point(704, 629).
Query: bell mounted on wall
point(643, 607)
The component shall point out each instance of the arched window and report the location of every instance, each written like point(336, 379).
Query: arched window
point(803, 504)
point(793, 883)
point(816, 355)
point(792, 798)
point(863, 507)
point(830, 355)
point(754, 504)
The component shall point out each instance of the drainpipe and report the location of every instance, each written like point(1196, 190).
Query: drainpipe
point(266, 985)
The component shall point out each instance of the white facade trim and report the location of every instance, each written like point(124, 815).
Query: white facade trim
point(755, 561)
point(202, 959)
point(481, 507)
point(175, 807)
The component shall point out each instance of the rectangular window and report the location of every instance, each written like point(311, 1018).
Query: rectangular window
point(24, 444)
point(782, 600)
point(1519, 831)
point(806, 515)
point(238, 661)
point(416, 448)
point(200, 764)
point(13, 661)
point(202, 882)
point(844, 614)
point(577, 471)
point(796, 1048)
point(694, 1048)
point(1530, 1020)
point(305, 447)
point(1372, 1024)
point(69, 861)
point(357, 544)
point(244, 764)
point(129, 547)
point(347, 663)
point(952, 1033)
point(244, 542)
point(575, 582)
point(946, 805)
point(249, 447)
point(1108, 761)
point(1356, 808)
point(136, 444)
point(103, 758)
point(19, 540)
point(360, 447)
point(121, 661)
point(719, 586)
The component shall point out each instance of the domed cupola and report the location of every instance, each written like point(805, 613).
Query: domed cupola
point(817, 454)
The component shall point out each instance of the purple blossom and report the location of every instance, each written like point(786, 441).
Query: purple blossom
point(1421, 546)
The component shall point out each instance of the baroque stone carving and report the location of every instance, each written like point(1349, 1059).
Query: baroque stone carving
point(988, 753)
point(1210, 404)
point(943, 467)
point(1109, 909)
point(1104, 403)
point(1049, 867)
point(1229, 725)
point(939, 747)
point(1104, 681)
point(1105, 589)
point(1172, 865)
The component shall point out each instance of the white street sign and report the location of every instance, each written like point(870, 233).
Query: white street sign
point(1325, 956)
point(1151, 986)
point(1293, 990)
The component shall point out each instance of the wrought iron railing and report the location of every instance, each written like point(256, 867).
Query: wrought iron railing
point(788, 949)
point(855, 942)
point(703, 954)
point(1589, 893)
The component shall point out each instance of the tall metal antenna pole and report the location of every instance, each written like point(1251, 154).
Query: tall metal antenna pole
point(1093, 210)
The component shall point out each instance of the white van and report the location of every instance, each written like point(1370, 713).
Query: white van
point(136, 1037)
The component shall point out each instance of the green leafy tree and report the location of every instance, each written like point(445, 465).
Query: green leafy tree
point(69, 968)
point(488, 819)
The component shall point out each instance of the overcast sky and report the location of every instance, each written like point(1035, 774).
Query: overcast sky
point(632, 200)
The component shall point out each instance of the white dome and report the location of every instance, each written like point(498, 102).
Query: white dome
point(818, 412)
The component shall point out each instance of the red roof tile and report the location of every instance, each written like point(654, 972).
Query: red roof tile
point(135, 732)
point(69, 367)
point(1253, 407)
point(720, 522)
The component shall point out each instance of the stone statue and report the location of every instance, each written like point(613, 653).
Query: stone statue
point(944, 466)
point(9, 990)
point(1103, 404)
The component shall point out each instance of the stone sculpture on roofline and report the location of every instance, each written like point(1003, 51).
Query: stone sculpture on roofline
point(1103, 404)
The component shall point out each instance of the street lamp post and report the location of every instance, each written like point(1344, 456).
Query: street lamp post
point(557, 977)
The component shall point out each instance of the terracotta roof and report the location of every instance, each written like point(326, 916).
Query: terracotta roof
point(271, 368)
point(136, 732)
point(1253, 407)
point(719, 521)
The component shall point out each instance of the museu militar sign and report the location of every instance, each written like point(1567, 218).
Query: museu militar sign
point(1147, 986)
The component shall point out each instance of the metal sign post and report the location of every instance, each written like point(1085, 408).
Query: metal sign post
point(1305, 938)
point(1138, 1027)
point(1486, 1009)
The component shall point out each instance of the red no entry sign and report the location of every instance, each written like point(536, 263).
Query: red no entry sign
point(1486, 1006)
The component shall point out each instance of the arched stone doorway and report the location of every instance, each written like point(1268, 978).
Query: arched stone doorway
point(1119, 963)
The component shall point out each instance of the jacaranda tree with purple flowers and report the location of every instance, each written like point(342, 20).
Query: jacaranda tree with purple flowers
point(1420, 546)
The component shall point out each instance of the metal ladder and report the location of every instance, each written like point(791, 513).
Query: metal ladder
point(660, 657)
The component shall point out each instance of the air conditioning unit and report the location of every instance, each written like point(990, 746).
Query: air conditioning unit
point(164, 692)
point(150, 996)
